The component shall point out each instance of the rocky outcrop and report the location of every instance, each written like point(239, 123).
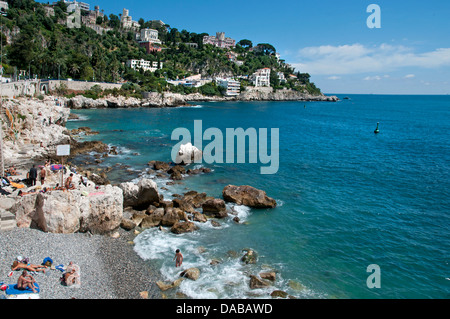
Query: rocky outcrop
point(271, 275)
point(250, 257)
point(183, 227)
point(166, 286)
point(98, 211)
point(168, 99)
point(258, 283)
point(267, 94)
point(191, 273)
point(248, 196)
point(33, 129)
point(215, 208)
point(140, 195)
point(279, 294)
point(187, 154)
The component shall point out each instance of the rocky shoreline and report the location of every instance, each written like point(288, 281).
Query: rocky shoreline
point(111, 214)
point(154, 99)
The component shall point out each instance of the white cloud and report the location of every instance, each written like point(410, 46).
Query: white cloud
point(334, 77)
point(372, 78)
point(357, 58)
point(409, 76)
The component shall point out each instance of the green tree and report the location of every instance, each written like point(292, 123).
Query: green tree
point(245, 43)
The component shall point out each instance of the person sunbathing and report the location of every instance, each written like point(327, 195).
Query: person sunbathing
point(26, 281)
point(72, 275)
point(20, 193)
point(30, 267)
point(12, 170)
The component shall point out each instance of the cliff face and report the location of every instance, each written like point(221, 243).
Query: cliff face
point(33, 128)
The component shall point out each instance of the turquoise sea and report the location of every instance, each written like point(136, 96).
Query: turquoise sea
point(347, 198)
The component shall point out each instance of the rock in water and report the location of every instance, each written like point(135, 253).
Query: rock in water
point(215, 207)
point(250, 257)
point(256, 283)
point(191, 273)
point(248, 196)
point(187, 154)
point(183, 227)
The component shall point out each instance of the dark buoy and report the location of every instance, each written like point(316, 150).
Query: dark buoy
point(377, 130)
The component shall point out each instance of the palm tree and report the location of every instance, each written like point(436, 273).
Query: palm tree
point(75, 69)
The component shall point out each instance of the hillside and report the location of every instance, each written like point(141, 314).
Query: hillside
point(41, 44)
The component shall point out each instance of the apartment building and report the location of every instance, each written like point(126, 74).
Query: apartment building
point(151, 66)
point(232, 86)
point(261, 77)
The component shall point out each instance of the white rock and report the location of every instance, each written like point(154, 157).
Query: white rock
point(187, 154)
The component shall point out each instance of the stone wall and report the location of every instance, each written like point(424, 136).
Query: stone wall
point(51, 85)
point(34, 87)
point(20, 88)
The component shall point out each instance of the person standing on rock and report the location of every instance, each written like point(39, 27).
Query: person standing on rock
point(33, 175)
point(43, 172)
point(178, 258)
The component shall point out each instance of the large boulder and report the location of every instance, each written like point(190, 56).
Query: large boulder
point(183, 227)
point(170, 217)
point(215, 208)
point(257, 283)
point(248, 196)
point(191, 273)
point(153, 219)
point(25, 210)
point(250, 257)
point(72, 211)
point(183, 205)
point(195, 199)
point(140, 195)
point(187, 154)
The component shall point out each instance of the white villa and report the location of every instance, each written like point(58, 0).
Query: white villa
point(233, 87)
point(145, 65)
point(149, 35)
point(261, 77)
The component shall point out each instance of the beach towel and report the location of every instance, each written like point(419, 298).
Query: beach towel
point(60, 267)
point(17, 185)
point(13, 290)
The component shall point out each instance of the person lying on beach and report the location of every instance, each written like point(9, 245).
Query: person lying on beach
point(20, 193)
point(72, 275)
point(12, 171)
point(30, 267)
point(26, 281)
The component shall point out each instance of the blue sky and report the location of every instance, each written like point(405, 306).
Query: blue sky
point(409, 54)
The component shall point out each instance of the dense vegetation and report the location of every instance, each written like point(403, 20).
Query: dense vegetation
point(43, 46)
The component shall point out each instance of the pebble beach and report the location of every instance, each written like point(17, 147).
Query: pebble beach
point(110, 269)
